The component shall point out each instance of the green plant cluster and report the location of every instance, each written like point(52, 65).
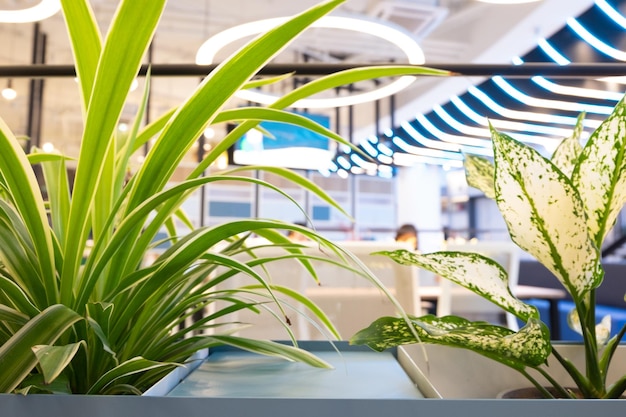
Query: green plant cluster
point(558, 210)
point(80, 310)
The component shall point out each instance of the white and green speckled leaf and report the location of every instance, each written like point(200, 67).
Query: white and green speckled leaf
point(479, 173)
point(566, 154)
point(473, 271)
point(603, 329)
point(528, 347)
point(545, 215)
point(599, 174)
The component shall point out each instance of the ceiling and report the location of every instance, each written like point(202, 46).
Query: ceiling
point(449, 31)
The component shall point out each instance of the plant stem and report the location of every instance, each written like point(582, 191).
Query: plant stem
point(537, 385)
point(564, 392)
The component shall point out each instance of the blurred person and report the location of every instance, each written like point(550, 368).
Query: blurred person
point(407, 233)
point(296, 236)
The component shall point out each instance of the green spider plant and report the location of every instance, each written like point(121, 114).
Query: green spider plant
point(559, 210)
point(80, 311)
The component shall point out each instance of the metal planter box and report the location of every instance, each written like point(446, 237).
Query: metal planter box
point(237, 383)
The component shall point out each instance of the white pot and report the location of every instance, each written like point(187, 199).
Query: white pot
point(445, 372)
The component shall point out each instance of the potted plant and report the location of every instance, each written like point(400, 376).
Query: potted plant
point(559, 210)
point(80, 311)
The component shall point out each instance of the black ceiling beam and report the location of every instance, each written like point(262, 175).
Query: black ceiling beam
point(313, 69)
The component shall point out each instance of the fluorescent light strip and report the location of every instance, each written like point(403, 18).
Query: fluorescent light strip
point(462, 140)
point(594, 41)
point(363, 163)
point(469, 130)
point(549, 104)
point(384, 149)
point(345, 164)
point(367, 146)
point(616, 16)
point(343, 173)
point(517, 114)
point(554, 55)
point(416, 150)
point(430, 143)
point(385, 159)
point(515, 126)
point(553, 87)
point(576, 91)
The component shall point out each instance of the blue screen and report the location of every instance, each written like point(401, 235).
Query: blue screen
point(289, 146)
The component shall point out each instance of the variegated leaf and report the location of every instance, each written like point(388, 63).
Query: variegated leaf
point(566, 154)
point(528, 347)
point(545, 215)
point(603, 329)
point(473, 271)
point(479, 173)
point(599, 175)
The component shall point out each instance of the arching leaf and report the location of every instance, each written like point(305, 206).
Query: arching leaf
point(545, 215)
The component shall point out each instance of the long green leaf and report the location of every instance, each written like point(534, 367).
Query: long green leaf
point(599, 175)
point(18, 298)
point(529, 347)
point(194, 115)
point(545, 215)
point(325, 83)
point(270, 114)
point(58, 191)
point(93, 272)
point(18, 256)
point(54, 359)
point(86, 44)
point(567, 153)
point(22, 185)
point(307, 303)
point(473, 271)
point(130, 367)
point(299, 180)
point(270, 348)
point(16, 357)
point(480, 174)
point(8, 314)
point(129, 35)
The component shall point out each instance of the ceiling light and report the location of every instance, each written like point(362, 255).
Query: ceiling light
point(47, 147)
point(393, 34)
point(8, 92)
point(43, 10)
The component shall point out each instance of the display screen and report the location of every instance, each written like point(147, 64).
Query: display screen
point(289, 146)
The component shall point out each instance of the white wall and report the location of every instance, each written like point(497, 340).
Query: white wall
point(419, 203)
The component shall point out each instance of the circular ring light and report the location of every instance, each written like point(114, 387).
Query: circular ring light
point(43, 10)
point(415, 56)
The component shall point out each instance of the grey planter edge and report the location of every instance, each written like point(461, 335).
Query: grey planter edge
point(158, 405)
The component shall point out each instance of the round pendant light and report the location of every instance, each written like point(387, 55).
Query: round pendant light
point(394, 35)
point(42, 10)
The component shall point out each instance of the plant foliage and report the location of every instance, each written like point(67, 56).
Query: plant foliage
point(80, 310)
point(559, 210)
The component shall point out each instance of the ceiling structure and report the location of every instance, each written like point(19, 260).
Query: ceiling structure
point(539, 110)
point(449, 31)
